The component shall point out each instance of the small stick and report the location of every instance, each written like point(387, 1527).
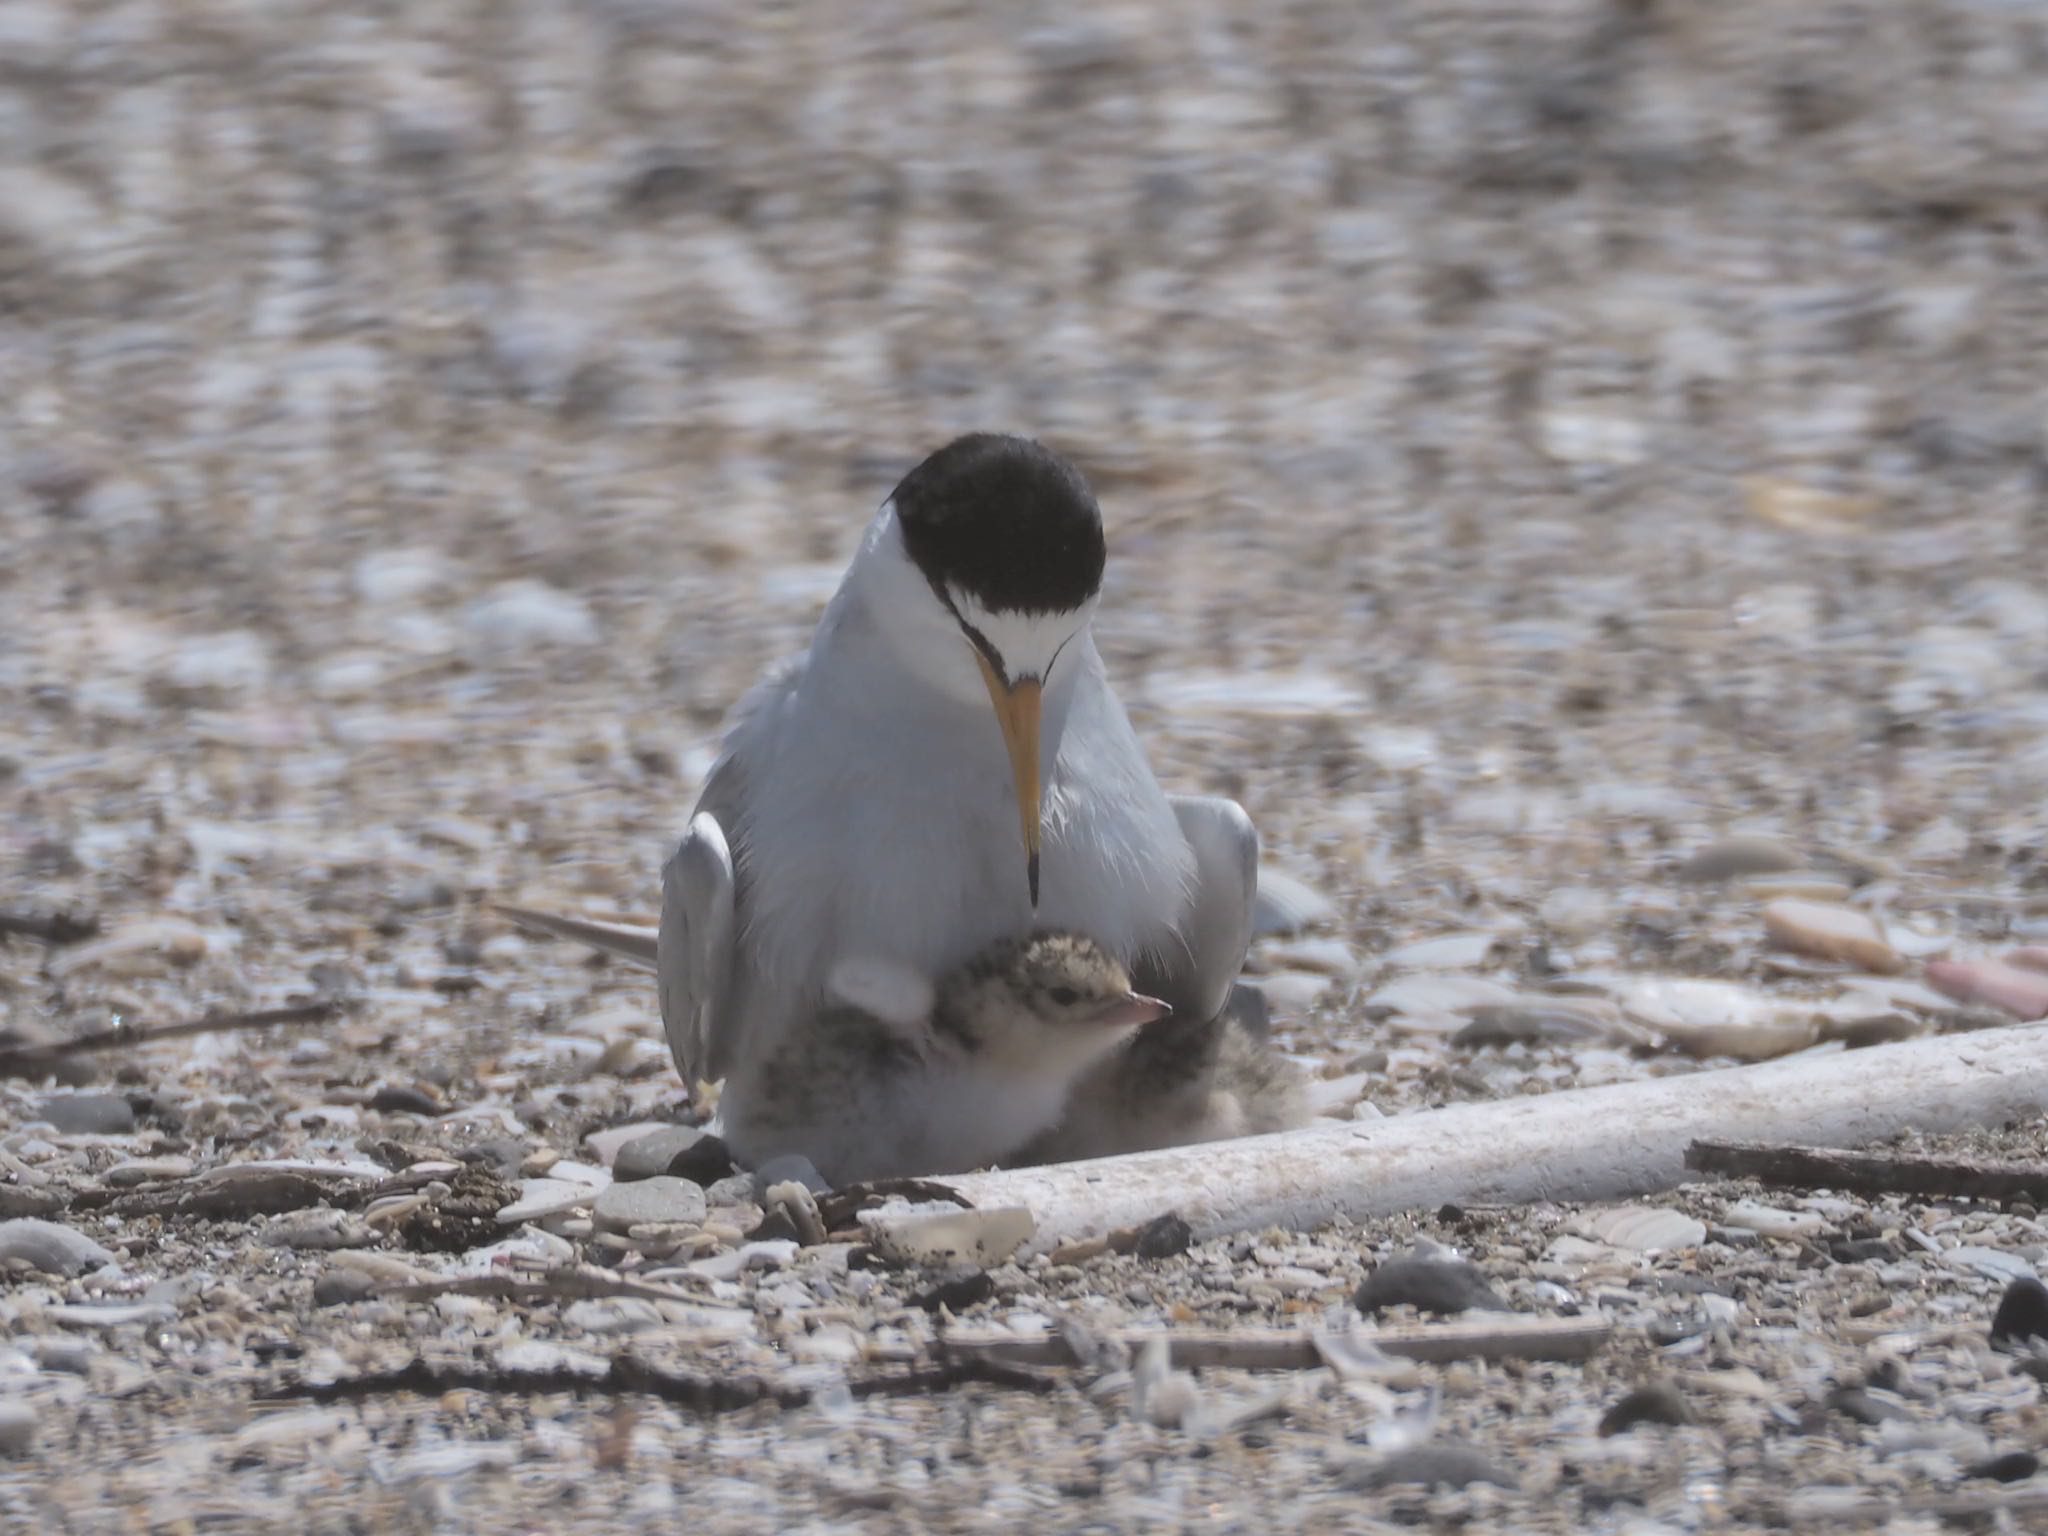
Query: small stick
point(575, 1283)
point(1874, 1173)
point(1275, 1349)
point(50, 927)
point(630, 1374)
point(622, 1373)
point(15, 1057)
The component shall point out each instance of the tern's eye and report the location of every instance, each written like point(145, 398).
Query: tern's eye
point(1064, 997)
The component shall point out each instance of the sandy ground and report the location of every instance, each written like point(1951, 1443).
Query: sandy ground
point(1539, 441)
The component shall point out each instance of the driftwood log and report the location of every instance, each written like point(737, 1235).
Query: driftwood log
point(1579, 1144)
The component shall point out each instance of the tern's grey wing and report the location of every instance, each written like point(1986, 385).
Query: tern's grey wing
point(1216, 926)
point(693, 955)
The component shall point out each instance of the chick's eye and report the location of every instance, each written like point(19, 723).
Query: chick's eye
point(1064, 997)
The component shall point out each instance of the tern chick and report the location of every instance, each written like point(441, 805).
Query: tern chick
point(1183, 1082)
point(901, 1078)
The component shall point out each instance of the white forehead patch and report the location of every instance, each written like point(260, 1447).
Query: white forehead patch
point(888, 990)
point(1027, 642)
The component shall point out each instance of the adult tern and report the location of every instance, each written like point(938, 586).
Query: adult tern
point(946, 766)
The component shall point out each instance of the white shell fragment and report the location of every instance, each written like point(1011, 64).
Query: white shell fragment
point(1831, 932)
point(946, 1234)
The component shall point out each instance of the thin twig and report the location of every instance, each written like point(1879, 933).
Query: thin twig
point(14, 1058)
point(622, 1373)
point(50, 927)
point(1877, 1173)
point(631, 1374)
point(1277, 1349)
point(580, 1282)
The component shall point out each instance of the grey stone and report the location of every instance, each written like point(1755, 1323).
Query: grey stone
point(88, 1114)
point(339, 1287)
point(1429, 1285)
point(50, 1246)
point(17, 1427)
point(647, 1201)
point(790, 1167)
point(686, 1151)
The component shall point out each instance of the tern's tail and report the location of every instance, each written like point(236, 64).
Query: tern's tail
point(626, 940)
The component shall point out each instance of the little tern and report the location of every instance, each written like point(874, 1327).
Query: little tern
point(888, 1084)
point(947, 766)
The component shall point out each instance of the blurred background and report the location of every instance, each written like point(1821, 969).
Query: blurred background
point(1534, 436)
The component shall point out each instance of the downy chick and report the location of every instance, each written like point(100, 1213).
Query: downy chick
point(1184, 1082)
point(900, 1078)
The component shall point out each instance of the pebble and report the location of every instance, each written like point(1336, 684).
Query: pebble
point(146, 1170)
point(1575, 913)
point(1770, 1221)
point(964, 1288)
point(789, 1167)
point(539, 1198)
point(1284, 906)
point(1654, 1403)
point(1732, 858)
point(1437, 1464)
point(1540, 1019)
point(1326, 957)
point(1446, 952)
point(605, 1145)
point(341, 1287)
point(50, 1246)
point(233, 661)
point(318, 1228)
point(135, 949)
point(686, 1151)
point(524, 615)
point(2022, 1313)
point(1163, 1237)
point(1995, 1262)
point(1647, 1229)
point(1831, 932)
point(2017, 990)
point(730, 1266)
point(612, 1314)
point(1442, 1286)
point(646, 1202)
point(945, 1234)
point(1718, 1018)
point(17, 1427)
point(88, 1114)
point(399, 576)
point(2011, 1467)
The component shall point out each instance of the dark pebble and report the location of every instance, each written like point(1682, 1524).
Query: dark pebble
point(956, 1293)
point(1863, 1250)
point(1856, 1403)
point(2012, 1467)
point(1436, 1465)
point(1656, 1403)
point(775, 1227)
point(2022, 1313)
point(1163, 1237)
point(88, 1114)
point(1429, 1285)
point(339, 1287)
point(403, 1099)
point(683, 1151)
point(501, 1155)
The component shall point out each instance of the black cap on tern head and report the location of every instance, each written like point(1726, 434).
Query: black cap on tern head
point(1006, 521)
